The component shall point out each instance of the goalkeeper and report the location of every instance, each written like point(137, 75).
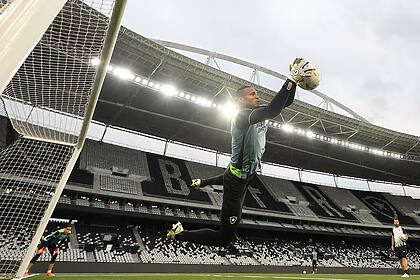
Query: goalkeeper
point(248, 130)
point(52, 242)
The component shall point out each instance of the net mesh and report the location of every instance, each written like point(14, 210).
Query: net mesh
point(29, 173)
point(46, 102)
point(48, 96)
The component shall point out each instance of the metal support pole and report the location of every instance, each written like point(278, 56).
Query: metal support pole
point(108, 47)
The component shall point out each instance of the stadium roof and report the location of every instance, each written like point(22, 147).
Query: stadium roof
point(141, 108)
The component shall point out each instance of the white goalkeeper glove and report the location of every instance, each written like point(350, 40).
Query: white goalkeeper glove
point(299, 69)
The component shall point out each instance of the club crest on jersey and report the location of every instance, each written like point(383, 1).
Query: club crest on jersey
point(233, 219)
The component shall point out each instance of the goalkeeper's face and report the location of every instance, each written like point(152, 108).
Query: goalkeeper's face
point(67, 230)
point(249, 98)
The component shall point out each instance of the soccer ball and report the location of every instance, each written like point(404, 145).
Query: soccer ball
point(309, 83)
point(304, 272)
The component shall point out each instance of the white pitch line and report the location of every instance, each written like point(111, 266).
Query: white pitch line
point(197, 275)
point(305, 278)
point(30, 275)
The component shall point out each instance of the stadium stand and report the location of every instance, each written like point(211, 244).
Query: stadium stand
point(360, 253)
point(66, 255)
point(161, 250)
point(82, 201)
point(13, 248)
point(287, 253)
point(102, 157)
point(202, 171)
point(115, 184)
point(98, 203)
point(348, 202)
point(171, 179)
point(114, 205)
point(406, 205)
point(143, 209)
point(64, 199)
point(322, 205)
point(381, 208)
point(114, 256)
point(92, 236)
point(258, 197)
point(287, 192)
point(414, 257)
point(241, 259)
point(259, 247)
point(89, 234)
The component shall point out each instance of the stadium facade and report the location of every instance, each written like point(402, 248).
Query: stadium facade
point(134, 194)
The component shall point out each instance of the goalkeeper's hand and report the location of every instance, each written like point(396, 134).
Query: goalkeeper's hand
point(196, 184)
point(299, 69)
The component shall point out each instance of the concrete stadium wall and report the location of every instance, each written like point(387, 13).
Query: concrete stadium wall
point(86, 267)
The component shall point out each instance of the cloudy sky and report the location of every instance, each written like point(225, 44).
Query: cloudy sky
point(367, 51)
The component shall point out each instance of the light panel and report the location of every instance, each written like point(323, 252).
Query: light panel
point(229, 110)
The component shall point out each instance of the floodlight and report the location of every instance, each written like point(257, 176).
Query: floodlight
point(310, 134)
point(144, 82)
point(287, 127)
point(95, 61)
point(123, 73)
point(167, 89)
point(181, 94)
point(138, 79)
point(229, 110)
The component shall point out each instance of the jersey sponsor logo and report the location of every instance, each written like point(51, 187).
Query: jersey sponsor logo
point(233, 219)
point(261, 127)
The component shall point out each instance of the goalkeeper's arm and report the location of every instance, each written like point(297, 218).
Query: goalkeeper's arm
point(283, 98)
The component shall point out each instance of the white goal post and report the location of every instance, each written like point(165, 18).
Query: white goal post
point(49, 91)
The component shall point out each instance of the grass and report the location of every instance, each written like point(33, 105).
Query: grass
point(221, 276)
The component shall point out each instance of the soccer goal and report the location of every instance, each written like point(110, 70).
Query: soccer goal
point(49, 89)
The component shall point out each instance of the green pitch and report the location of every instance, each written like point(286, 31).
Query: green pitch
point(220, 276)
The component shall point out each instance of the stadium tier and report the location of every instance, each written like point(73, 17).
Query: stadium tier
point(160, 186)
point(147, 243)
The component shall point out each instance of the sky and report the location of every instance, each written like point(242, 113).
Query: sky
point(367, 51)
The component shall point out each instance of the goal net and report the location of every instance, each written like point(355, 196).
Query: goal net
point(49, 102)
